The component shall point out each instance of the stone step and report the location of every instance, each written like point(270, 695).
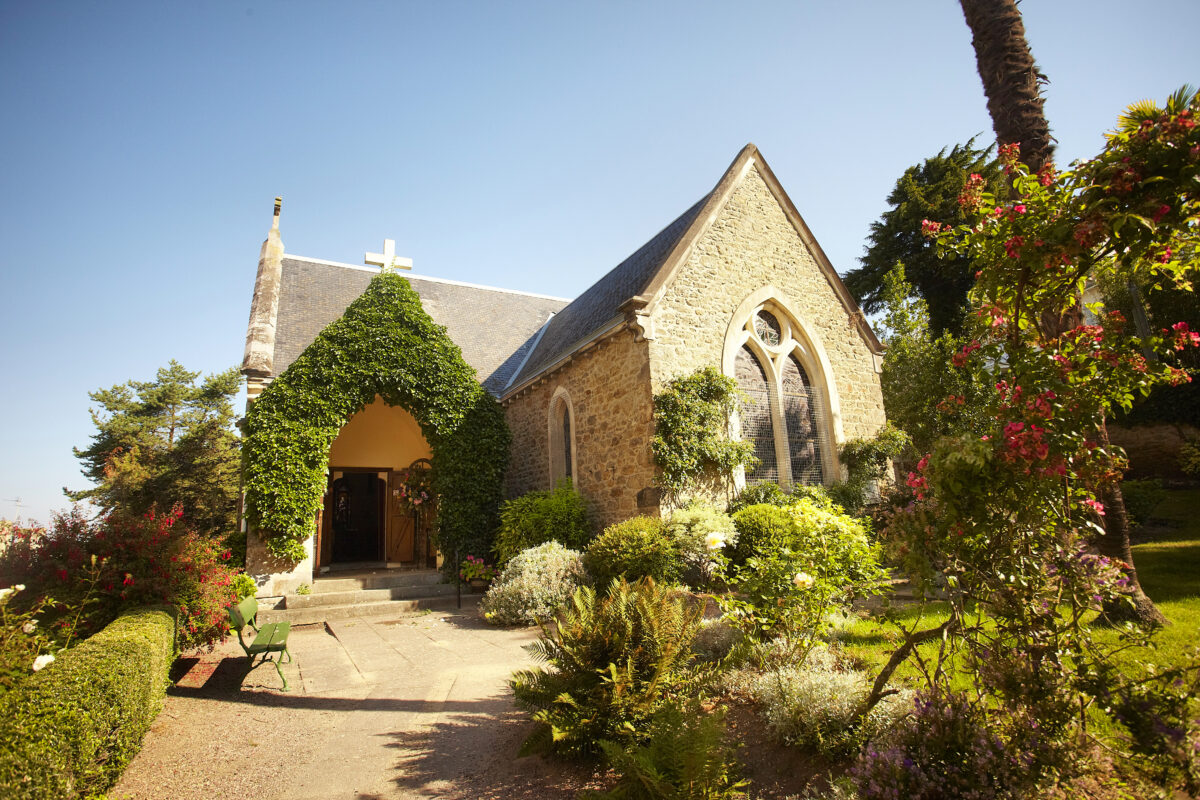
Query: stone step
point(377, 580)
point(389, 608)
point(362, 596)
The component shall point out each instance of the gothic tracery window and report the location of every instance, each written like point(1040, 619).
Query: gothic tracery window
point(756, 415)
point(782, 411)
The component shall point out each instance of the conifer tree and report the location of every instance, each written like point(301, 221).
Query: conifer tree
point(165, 442)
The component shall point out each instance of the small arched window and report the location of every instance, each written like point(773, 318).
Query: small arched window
point(562, 437)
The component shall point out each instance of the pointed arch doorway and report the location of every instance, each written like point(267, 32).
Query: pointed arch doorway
point(368, 519)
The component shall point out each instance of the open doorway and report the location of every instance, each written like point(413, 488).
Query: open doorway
point(356, 509)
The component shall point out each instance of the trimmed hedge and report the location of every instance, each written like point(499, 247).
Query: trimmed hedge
point(69, 730)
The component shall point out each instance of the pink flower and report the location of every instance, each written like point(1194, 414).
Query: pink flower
point(1094, 506)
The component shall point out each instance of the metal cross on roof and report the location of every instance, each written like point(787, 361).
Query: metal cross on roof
point(387, 259)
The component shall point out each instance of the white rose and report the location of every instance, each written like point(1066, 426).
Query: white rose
point(29, 627)
point(802, 580)
point(42, 661)
point(714, 541)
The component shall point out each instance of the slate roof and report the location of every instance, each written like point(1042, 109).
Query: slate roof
point(597, 307)
point(494, 327)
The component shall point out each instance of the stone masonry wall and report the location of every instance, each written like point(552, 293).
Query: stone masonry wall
point(609, 387)
point(750, 245)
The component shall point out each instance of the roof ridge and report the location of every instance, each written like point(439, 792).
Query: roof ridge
point(431, 278)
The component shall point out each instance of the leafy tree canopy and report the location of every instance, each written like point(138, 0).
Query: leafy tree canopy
point(165, 442)
point(926, 191)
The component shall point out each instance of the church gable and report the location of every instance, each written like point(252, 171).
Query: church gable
point(750, 262)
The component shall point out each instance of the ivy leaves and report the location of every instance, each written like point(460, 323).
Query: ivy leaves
point(385, 344)
point(691, 446)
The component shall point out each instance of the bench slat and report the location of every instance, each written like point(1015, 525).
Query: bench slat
point(271, 637)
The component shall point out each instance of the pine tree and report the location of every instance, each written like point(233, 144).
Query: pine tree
point(166, 442)
point(926, 191)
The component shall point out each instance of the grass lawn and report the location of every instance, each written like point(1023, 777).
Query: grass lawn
point(1168, 565)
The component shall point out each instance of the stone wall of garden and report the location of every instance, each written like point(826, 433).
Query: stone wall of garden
point(609, 389)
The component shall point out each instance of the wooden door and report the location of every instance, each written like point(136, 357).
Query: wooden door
point(401, 534)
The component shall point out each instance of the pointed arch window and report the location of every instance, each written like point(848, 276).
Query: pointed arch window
point(782, 412)
point(561, 437)
point(756, 415)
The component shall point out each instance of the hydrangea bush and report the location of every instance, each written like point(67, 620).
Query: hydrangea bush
point(534, 585)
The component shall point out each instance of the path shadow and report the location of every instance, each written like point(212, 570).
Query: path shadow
point(474, 755)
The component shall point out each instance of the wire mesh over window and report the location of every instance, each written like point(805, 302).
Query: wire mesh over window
point(756, 416)
point(767, 327)
point(803, 416)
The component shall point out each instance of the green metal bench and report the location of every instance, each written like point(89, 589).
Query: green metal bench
point(270, 638)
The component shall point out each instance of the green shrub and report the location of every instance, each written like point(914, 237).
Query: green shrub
point(794, 566)
point(762, 529)
point(538, 517)
point(640, 547)
point(700, 532)
point(685, 758)
point(1189, 458)
point(816, 705)
point(613, 660)
point(866, 462)
point(758, 494)
point(244, 586)
point(534, 585)
point(1141, 498)
point(71, 728)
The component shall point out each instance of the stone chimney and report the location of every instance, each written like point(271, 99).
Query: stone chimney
point(258, 363)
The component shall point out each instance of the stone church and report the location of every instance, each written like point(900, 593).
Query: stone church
point(736, 282)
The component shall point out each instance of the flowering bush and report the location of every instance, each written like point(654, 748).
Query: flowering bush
point(24, 645)
point(476, 569)
point(700, 532)
point(945, 749)
point(414, 490)
point(153, 559)
point(804, 561)
point(534, 585)
point(1002, 516)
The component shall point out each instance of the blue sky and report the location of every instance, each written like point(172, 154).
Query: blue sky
point(527, 145)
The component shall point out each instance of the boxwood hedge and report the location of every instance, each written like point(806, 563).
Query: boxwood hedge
point(69, 730)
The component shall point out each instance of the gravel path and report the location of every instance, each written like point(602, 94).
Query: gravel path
point(405, 708)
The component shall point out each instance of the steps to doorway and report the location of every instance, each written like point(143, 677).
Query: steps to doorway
point(370, 593)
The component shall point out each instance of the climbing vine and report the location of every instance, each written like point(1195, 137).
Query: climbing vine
point(387, 345)
point(692, 446)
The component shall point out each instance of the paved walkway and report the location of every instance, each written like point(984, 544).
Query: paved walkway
point(403, 708)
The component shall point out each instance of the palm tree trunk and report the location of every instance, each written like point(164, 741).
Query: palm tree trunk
point(1115, 544)
point(1012, 84)
point(1011, 79)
